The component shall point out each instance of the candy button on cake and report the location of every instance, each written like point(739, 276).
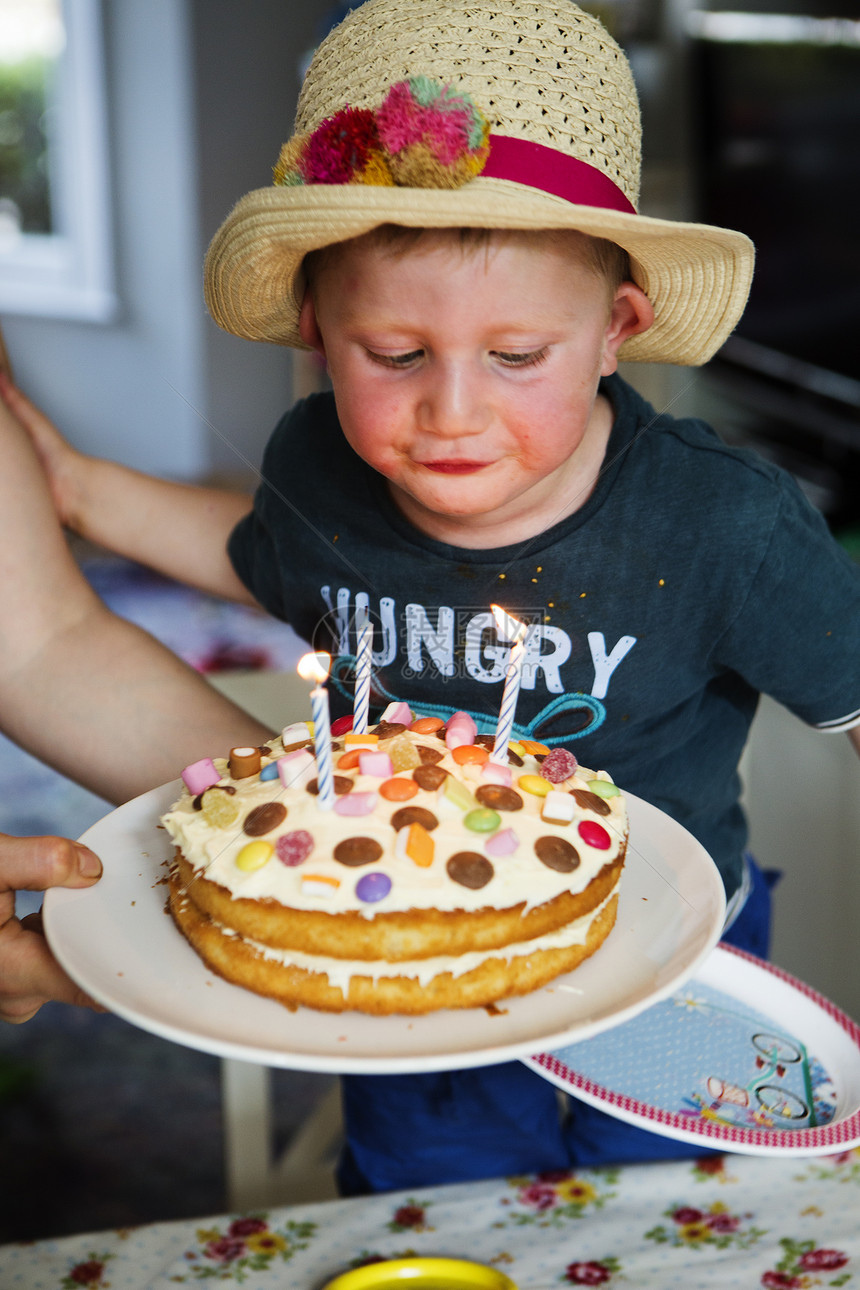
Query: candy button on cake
point(439, 877)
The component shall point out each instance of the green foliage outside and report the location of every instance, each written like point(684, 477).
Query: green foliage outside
point(23, 144)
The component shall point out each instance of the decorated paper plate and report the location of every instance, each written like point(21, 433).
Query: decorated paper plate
point(742, 1056)
point(422, 1274)
point(116, 941)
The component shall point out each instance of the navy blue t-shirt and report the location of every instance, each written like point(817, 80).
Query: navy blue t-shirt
point(694, 577)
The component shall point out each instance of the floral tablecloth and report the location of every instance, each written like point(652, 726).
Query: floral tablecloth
point(727, 1221)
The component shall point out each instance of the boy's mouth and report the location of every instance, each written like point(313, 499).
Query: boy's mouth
point(454, 467)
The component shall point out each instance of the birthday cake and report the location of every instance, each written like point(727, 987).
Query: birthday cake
point(419, 872)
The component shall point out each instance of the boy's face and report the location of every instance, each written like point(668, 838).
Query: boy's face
point(467, 376)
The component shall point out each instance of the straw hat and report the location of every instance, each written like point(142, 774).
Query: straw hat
point(525, 109)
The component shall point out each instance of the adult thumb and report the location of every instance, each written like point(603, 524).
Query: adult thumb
point(34, 864)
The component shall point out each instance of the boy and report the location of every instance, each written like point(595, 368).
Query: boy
point(478, 446)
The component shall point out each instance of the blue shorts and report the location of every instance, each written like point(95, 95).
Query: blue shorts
point(406, 1131)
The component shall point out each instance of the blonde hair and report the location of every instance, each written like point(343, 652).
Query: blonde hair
point(605, 258)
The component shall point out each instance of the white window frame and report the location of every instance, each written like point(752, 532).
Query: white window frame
point(69, 273)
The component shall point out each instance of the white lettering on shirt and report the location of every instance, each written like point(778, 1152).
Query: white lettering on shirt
point(605, 665)
point(486, 653)
point(438, 640)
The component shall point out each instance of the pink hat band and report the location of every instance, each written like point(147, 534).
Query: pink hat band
point(550, 171)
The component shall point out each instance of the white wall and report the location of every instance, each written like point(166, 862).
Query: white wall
point(802, 796)
point(246, 78)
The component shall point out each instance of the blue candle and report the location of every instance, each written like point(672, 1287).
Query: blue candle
point(514, 630)
point(315, 667)
point(363, 662)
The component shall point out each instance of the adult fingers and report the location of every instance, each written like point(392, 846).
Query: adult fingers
point(29, 974)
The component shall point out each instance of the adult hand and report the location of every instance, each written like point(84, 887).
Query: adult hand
point(63, 465)
point(29, 973)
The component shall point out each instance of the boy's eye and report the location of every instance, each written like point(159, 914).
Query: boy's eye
point(396, 360)
point(530, 359)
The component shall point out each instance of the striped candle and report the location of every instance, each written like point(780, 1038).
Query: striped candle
point(315, 667)
point(516, 631)
point(363, 663)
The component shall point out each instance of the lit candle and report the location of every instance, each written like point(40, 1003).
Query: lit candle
point(513, 630)
point(363, 662)
point(315, 667)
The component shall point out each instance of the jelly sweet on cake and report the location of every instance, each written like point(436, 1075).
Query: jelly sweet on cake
point(439, 877)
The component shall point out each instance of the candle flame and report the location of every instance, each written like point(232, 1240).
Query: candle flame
point(509, 627)
point(314, 667)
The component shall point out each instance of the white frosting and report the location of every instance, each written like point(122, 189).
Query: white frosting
point(519, 877)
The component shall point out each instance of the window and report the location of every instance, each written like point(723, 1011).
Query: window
point(55, 244)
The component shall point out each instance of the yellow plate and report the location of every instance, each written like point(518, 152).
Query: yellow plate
point(422, 1274)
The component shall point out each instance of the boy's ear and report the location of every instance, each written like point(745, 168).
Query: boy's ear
point(631, 313)
point(308, 325)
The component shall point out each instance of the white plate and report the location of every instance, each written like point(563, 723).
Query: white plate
point(742, 1057)
point(117, 942)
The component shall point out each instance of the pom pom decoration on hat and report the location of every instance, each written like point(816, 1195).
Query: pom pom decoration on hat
point(423, 135)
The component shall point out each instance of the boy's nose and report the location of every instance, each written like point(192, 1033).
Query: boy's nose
point(454, 404)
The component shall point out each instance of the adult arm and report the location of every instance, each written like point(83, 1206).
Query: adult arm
point(181, 530)
point(85, 691)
